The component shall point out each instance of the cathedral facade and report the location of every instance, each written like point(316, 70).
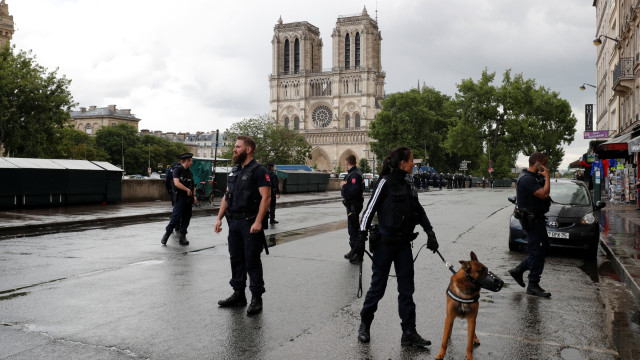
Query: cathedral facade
point(331, 108)
point(6, 24)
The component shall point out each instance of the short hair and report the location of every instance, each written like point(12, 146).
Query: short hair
point(351, 159)
point(536, 157)
point(248, 141)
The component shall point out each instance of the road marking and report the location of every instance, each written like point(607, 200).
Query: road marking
point(550, 343)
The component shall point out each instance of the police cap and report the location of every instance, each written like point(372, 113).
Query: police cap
point(185, 156)
point(270, 165)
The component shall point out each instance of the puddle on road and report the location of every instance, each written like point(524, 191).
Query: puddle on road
point(14, 295)
point(620, 232)
point(287, 236)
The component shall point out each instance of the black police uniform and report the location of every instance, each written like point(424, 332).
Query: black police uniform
point(399, 211)
point(353, 201)
point(182, 202)
point(243, 199)
point(535, 226)
point(273, 177)
point(171, 188)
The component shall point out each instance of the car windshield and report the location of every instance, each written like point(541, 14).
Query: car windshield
point(569, 194)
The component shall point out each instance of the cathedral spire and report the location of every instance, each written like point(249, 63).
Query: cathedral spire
point(279, 20)
point(364, 11)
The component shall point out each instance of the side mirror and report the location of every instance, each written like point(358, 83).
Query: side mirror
point(600, 205)
point(512, 199)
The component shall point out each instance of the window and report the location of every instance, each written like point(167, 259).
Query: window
point(296, 123)
point(357, 121)
point(113, 124)
point(346, 121)
point(347, 52)
point(88, 129)
point(296, 56)
point(357, 50)
point(286, 56)
point(321, 116)
point(286, 122)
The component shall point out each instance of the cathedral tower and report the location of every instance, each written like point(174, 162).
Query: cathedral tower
point(6, 24)
point(331, 108)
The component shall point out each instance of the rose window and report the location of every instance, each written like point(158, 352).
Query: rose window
point(321, 116)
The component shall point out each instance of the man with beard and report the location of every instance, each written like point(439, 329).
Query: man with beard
point(245, 204)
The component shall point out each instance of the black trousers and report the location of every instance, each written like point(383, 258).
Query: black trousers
point(353, 223)
point(244, 251)
point(181, 215)
point(272, 207)
point(400, 254)
point(536, 251)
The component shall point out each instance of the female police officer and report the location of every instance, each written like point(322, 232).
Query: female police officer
point(399, 211)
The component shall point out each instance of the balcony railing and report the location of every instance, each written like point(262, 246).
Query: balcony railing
point(623, 70)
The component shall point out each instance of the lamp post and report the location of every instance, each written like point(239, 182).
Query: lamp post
point(598, 42)
point(582, 88)
point(367, 155)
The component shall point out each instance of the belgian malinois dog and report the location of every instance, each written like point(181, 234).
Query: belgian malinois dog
point(462, 300)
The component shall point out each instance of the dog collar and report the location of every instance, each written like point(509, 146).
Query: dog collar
point(461, 300)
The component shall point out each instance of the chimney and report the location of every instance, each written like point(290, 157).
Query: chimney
point(112, 108)
point(181, 136)
point(92, 107)
point(125, 111)
point(157, 133)
point(83, 109)
point(144, 132)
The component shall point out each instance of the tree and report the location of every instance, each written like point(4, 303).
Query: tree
point(115, 140)
point(34, 104)
point(363, 165)
point(274, 143)
point(76, 144)
point(497, 123)
point(416, 119)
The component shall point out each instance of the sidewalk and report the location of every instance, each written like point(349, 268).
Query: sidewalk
point(620, 239)
point(38, 221)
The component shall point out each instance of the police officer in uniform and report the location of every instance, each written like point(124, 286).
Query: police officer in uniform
point(184, 198)
point(245, 205)
point(171, 189)
point(352, 188)
point(532, 194)
point(275, 193)
point(399, 211)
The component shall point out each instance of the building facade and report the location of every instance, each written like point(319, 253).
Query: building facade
point(332, 108)
point(92, 119)
point(6, 24)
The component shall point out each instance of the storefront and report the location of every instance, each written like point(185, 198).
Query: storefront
point(619, 168)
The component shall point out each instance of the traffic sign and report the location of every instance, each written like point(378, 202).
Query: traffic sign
point(490, 169)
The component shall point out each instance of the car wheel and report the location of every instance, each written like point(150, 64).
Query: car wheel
point(512, 244)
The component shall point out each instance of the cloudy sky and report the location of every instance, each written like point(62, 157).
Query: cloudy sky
point(202, 65)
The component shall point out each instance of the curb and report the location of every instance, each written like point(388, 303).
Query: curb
point(621, 264)
point(68, 226)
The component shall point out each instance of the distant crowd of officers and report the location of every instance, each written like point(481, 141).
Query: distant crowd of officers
point(424, 179)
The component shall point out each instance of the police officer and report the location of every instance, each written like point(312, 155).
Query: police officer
point(399, 211)
point(245, 205)
point(275, 193)
point(171, 189)
point(185, 197)
point(532, 194)
point(351, 189)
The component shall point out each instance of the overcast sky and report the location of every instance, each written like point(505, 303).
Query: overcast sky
point(200, 65)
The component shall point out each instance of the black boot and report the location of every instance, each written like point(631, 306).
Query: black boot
point(536, 290)
point(349, 254)
point(356, 259)
point(412, 338)
point(363, 332)
point(183, 240)
point(236, 299)
point(516, 274)
point(274, 221)
point(165, 237)
point(256, 305)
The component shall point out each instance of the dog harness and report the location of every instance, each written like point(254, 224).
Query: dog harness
point(461, 300)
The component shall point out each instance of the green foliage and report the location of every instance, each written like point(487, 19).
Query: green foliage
point(34, 105)
point(416, 119)
point(76, 144)
point(139, 152)
point(274, 143)
point(501, 122)
point(363, 165)
point(339, 169)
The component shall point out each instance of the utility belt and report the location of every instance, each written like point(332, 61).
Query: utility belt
point(527, 218)
point(241, 215)
point(352, 203)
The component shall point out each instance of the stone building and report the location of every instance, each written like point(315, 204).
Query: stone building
point(92, 119)
point(6, 24)
point(331, 108)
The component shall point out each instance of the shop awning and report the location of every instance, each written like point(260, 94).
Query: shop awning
point(634, 145)
point(618, 143)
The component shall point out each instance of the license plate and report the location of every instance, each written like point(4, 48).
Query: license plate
point(558, 235)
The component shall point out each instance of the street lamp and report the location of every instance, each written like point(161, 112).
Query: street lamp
point(582, 88)
point(598, 42)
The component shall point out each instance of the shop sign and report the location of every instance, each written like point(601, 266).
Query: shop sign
point(634, 145)
point(620, 166)
point(596, 134)
point(588, 117)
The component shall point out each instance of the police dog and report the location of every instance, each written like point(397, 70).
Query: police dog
point(462, 300)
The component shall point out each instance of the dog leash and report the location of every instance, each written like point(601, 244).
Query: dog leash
point(445, 262)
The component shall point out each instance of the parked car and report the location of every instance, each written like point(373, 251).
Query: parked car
point(572, 220)
point(343, 175)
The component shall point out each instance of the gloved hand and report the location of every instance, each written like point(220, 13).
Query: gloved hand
point(358, 249)
point(432, 242)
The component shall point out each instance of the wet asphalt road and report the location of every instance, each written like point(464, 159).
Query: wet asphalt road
point(116, 293)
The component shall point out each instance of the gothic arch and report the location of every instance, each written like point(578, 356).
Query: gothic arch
point(344, 155)
point(81, 127)
point(322, 160)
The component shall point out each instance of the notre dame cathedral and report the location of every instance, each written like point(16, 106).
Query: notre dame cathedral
point(331, 108)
